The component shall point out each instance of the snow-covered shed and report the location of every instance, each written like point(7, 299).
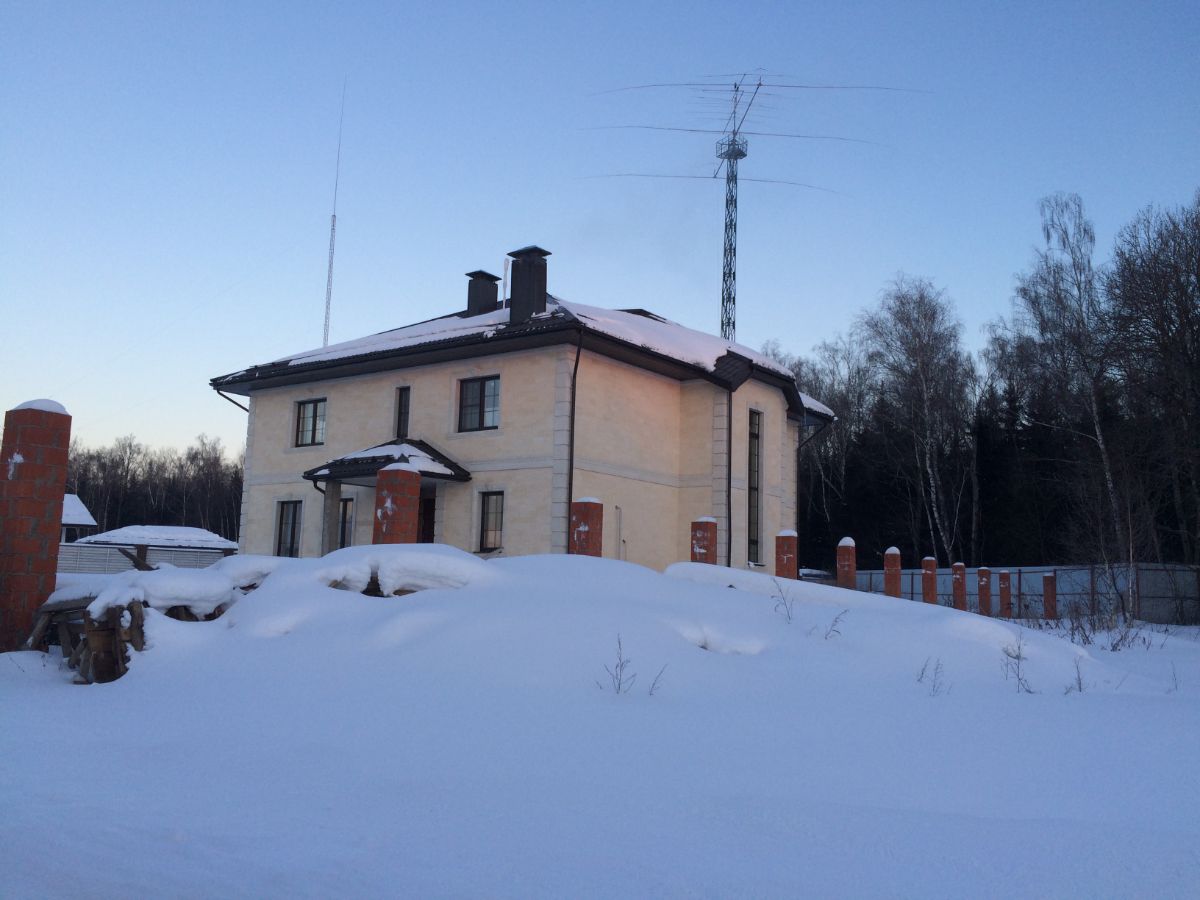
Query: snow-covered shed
point(511, 409)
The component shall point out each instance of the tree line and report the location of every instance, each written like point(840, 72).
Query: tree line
point(1073, 436)
point(129, 483)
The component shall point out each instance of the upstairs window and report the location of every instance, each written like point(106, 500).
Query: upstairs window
point(491, 521)
point(402, 398)
point(479, 403)
point(310, 423)
point(287, 534)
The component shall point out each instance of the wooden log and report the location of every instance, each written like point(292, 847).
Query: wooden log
point(138, 560)
point(77, 650)
point(64, 638)
point(85, 665)
point(37, 640)
point(137, 626)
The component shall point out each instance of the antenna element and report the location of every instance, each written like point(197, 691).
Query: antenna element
point(333, 219)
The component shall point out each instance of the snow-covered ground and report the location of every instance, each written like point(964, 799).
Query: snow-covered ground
point(466, 740)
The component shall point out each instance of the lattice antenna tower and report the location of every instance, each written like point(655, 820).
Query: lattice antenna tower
point(731, 148)
point(333, 219)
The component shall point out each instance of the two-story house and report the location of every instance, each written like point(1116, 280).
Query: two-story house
point(510, 411)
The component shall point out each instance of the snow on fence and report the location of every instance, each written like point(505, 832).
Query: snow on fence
point(103, 559)
point(1163, 594)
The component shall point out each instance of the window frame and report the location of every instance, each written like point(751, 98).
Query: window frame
point(403, 410)
point(346, 522)
point(296, 507)
point(754, 471)
point(486, 498)
point(316, 428)
point(478, 421)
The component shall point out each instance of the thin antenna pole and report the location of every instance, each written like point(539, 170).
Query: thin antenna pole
point(333, 218)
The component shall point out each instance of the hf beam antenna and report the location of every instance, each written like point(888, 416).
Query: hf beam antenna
point(333, 219)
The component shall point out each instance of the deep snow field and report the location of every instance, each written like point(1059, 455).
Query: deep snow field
point(466, 740)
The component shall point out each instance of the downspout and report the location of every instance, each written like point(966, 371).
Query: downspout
point(231, 400)
point(729, 479)
point(571, 439)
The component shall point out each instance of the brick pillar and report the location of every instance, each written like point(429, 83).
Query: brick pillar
point(929, 580)
point(985, 591)
point(787, 562)
point(1005, 594)
point(397, 504)
point(33, 479)
point(585, 537)
point(1050, 595)
point(704, 540)
point(847, 564)
point(958, 581)
point(891, 571)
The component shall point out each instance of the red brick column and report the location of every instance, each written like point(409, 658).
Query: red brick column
point(585, 537)
point(985, 591)
point(1050, 595)
point(958, 581)
point(787, 560)
point(847, 564)
point(704, 540)
point(929, 579)
point(891, 571)
point(397, 504)
point(33, 479)
point(1005, 594)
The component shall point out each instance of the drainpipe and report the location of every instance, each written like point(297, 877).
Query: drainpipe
point(729, 478)
point(571, 440)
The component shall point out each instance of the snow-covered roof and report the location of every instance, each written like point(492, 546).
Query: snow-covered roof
point(75, 513)
point(161, 536)
point(423, 457)
point(635, 327)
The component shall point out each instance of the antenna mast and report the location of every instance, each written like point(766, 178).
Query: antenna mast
point(730, 149)
point(333, 219)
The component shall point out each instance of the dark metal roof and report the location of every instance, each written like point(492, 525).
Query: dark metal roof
point(361, 465)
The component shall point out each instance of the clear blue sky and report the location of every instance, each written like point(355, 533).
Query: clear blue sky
point(168, 170)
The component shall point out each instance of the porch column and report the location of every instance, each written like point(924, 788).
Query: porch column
point(332, 516)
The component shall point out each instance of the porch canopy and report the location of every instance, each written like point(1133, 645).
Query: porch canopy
point(362, 466)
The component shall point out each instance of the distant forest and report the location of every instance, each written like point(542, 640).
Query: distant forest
point(131, 484)
point(1074, 436)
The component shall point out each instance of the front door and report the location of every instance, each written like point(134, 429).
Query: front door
point(425, 517)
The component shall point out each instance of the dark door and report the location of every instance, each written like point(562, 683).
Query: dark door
point(425, 520)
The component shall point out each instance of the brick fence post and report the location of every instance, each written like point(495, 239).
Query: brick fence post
point(704, 540)
point(787, 562)
point(33, 480)
point(585, 536)
point(1050, 595)
point(397, 504)
point(891, 571)
point(847, 564)
point(1005, 594)
point(958, 579)
point(929, 580)
point(985, 591)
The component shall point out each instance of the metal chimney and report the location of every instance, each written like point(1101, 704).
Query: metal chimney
point(482, 296)
point(528, 283)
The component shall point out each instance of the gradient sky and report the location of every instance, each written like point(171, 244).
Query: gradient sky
point(168, 170)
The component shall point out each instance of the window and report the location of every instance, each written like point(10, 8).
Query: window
point(754, 490)
point(491, 521)
point(346, 523)
point(402, 396)
point(287, 538)
point(479, 403)
point(310, 423)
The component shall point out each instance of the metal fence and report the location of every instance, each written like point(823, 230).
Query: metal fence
point(101, 559)
point(1163, 594)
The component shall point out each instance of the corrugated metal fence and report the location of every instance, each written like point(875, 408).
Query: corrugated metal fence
point(1164, 594)
point(105, 559)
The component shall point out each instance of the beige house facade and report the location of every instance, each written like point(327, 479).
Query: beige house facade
point(510, 411)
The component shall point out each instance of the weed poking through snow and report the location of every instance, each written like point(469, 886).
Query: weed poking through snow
point(1014, 665)
point(937, 684)
point(833, 626)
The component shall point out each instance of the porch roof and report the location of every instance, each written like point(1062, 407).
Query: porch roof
point(431, 462)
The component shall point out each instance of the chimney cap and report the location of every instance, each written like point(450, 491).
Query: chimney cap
point(531, 250)
point(479, 273)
